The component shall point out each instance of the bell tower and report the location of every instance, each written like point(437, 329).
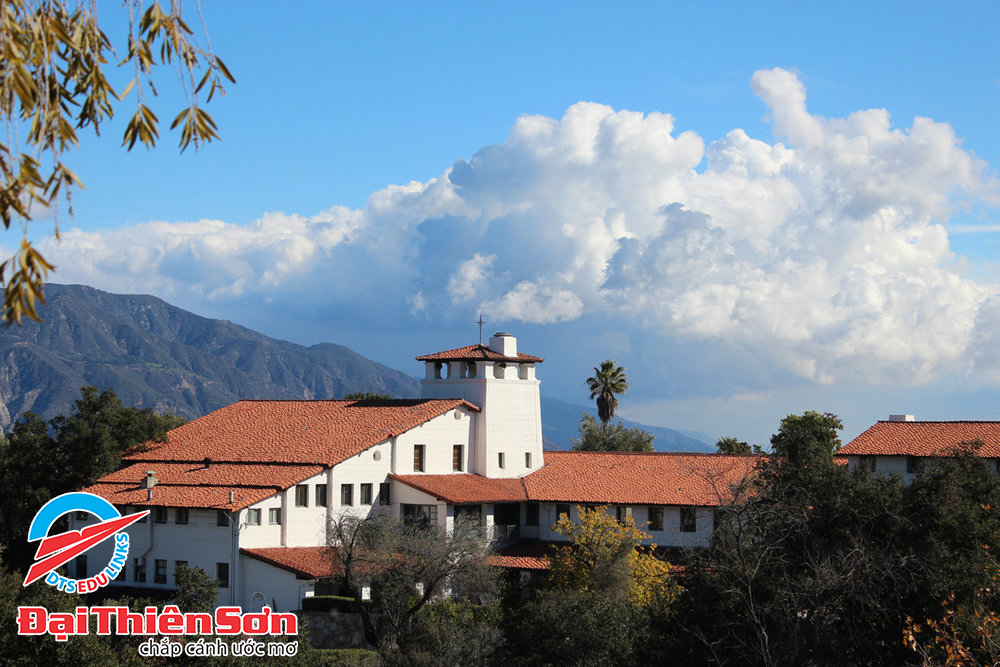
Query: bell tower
point(501, 382)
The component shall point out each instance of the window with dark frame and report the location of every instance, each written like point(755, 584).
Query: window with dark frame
point(159, 514)
point(914, 465)
point(159, 571)
point(419, 515)
point(346, 494)
point(867, 463)
point(655, 518)
point(253, 517)
point(456, 457)
point(81, 567)
point(689, 520)
point(527, 459)
point(139, 571)
point(418, 458)
point(133, 510)
point(500, 459)
point(222, 574)
point(366, 493)
point(531, 514)
point(221, 518)
point(560, 510)
point(507, 514)
point(302, 495)
point(623, 513)
point(321, 495)
point(384, 497)
point(181, 515)
point(274, 516)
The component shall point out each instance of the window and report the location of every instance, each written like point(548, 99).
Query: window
point(133, 510)
point(472, 515)
point(531, 514)
point(221, 518)
point(302, 495)
point(274, 516)
point(527, 459)
point(866, 463)
point(160, 571)
point(222, 574)
point(122, 576)
point(623, 513)
point(178, 564)
point(560, 510)
point(253, 517)
point(420, 515)
point(181, 515)
point(346, 494)
point(914, 465)
point(456, 457)
point(139, 570)
point(418, 458)
point(160, 514)
point(81, 567)
point(689, 520)
point(500, 460)
point(507, 514)
point(366, 494)
point(655, 518)
point(321, 495)
point(383, 494)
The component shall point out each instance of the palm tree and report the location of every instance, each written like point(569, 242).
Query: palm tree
point(608, 381)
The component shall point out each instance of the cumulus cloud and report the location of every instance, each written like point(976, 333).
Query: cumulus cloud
point(823, 253)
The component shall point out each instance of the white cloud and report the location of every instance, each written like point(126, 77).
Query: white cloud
point(824, 255)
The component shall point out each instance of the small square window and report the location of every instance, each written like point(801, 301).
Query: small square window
point(160, 571)
point(181, 515)
point(418, 458)
point(321, 495)
point(159, 514)
point(346, 494)
point(302, 495)
point(689, 520)
point(253, 517)
point(456, 457)
point(384, 497)
point(655, 518)
point(366, 494)
point(222, 574)
point(221, 518)
point(274, 516)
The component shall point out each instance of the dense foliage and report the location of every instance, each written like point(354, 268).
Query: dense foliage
point(598, 436)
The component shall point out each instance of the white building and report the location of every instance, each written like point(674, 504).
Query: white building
point(246, 492)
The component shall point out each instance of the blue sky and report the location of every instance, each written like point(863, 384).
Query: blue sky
point(757, 208)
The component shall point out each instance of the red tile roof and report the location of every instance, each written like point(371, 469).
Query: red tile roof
point(924, 438)
point(466, 488)
point(637, 479)
point(476, 353)
point(194, 485)
point(310, 432)
point(528, 555)
point(312, 562)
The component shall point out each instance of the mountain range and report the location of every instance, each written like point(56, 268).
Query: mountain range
point(153, 354)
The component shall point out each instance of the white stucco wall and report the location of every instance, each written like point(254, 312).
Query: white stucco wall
point(282, 590)
point(438, 436)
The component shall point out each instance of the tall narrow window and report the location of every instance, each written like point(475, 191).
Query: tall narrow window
point(623, 513)
point(456, 457)
point(346, 494)
point(160, 571)
point(302, 495)
point(139, 570)
point(160, 514)
point(527, 459)
point(321, 495)
point(655, 518)
point(181, 515)
point(531, 514)
point(253, 517)
point(418, 458)
point(221, 518)
point(500, 460)
point(689, 520)
point(366, 494)
point(81, 567)
point(384, 497)
point(222, 574)
point(274, 516)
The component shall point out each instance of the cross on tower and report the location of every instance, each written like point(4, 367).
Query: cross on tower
point(480, 322)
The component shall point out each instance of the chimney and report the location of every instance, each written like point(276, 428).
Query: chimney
point(901, 418)
point(149, 481)
point(504, 343)
point(232, 496)
point(149, 494)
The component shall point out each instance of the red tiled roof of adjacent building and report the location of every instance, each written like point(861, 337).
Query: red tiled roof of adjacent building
point(466, 488)
point(307, 432)
point(528, 555)
point(924, 438)
point(209, 497)
point(636, 478)
point(312, 562)
point(476, 353)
